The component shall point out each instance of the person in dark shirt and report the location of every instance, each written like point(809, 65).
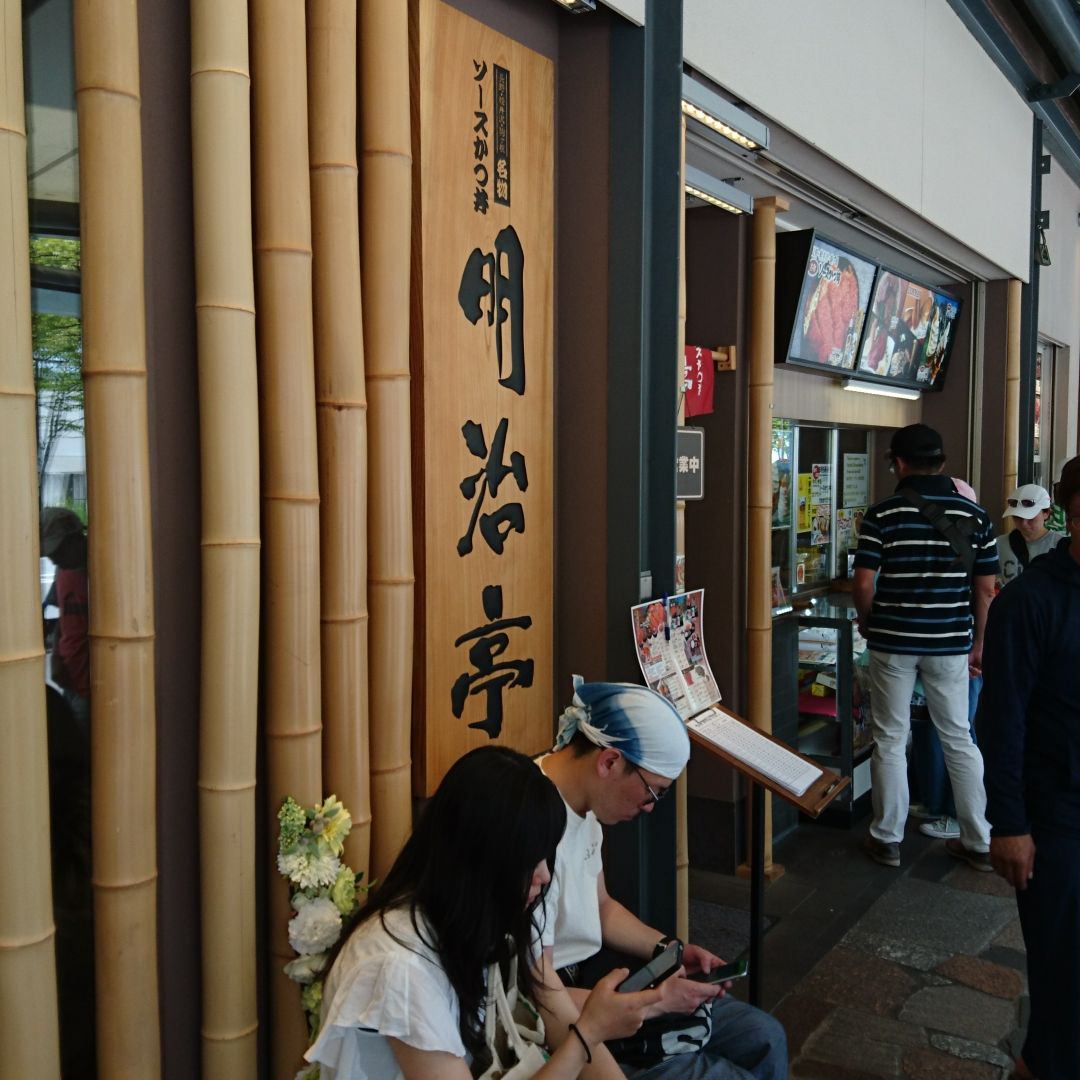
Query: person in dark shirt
point(1028, 725)
point(922, 610)
point(63, 540)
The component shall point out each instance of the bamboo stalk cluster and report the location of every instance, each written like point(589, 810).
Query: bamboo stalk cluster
point(28, 1013)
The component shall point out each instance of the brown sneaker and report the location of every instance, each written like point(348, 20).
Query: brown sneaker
point(977, 860)
point(881, 852)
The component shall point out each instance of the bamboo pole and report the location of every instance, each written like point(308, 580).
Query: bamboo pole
point(341, 410)
point(759, 483)
point(386, 229)
point(229, 436)
point(29, 1032)
point(682, 841)
point(1012, 389)
point(290, 485)
point(123, 747)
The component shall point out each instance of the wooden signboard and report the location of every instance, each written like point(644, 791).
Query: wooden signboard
point(483, 332)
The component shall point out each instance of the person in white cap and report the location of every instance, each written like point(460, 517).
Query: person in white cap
point(1029, 507)
point(619, 749)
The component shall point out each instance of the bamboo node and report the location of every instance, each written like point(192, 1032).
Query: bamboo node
point(334, 167)
point(243, 542)
point(28, 940)
point(6, 391)
point(377, 581)
point(283, 249)
point(224, 788)
point(112, 91)
point(17, 132)
point(126, 883)
point(137, 373)
point(344, 620)
point(120, 639)
point(244, 309)
point(290, 497)
point(293, 733)
point(387, 376)
point(391, 769)
point(339, 404)
point(375, 151)
point(22, 658)
point(243, 72)
point(229, 1036)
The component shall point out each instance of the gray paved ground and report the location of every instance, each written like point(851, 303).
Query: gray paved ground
point(917, 973)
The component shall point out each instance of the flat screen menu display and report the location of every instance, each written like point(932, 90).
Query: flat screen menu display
point(909, 332)
point(833, 301)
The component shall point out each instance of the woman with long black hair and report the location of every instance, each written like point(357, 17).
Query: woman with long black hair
point(405, 997)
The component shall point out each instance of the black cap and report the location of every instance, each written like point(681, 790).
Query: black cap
point(1069, 484)
point(917, 441)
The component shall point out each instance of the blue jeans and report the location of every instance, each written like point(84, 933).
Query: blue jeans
point(928, 760)
point(745, 1042)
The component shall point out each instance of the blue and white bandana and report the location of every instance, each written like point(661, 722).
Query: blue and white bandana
point(638, 722)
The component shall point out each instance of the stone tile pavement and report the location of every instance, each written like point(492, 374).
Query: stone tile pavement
point(928, 983)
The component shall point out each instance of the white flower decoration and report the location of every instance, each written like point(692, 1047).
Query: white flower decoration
point(305, 969)
point(315, 927)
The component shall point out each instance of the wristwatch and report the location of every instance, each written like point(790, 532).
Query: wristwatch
point(663, 943)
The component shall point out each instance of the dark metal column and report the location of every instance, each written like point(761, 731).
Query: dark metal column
point(1029, 320)
point(643, 281)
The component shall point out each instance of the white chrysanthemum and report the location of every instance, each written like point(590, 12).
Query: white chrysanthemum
point(305, 969)
point(315, 927)
point(292, 865)
point(310, 870)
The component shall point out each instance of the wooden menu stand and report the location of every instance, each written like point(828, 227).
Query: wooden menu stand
point(816, 797)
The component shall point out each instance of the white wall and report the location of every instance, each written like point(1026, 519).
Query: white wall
point(1059, 299)
point(899, 93)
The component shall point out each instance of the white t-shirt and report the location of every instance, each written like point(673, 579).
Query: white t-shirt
point(381, 987)
point(572, 904)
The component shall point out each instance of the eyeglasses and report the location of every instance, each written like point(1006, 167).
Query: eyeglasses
point(1026, 503)
point(655, 796)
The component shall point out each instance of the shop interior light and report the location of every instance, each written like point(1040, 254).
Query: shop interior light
point(576, 7)
point(907, 393)
point(721, 117)
point(716, 192)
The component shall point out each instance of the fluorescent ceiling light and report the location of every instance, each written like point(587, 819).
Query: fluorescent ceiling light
point(716, 192)
point(718, 115)
point(907, 393)
point(577, 6)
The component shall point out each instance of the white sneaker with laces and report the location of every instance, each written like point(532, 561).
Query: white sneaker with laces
point(943, 829)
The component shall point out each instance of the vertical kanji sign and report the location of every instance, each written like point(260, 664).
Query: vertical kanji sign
point(483, 327)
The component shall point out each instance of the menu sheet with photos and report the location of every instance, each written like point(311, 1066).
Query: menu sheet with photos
point(670, 647)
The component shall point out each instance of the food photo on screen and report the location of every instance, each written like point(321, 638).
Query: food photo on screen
point(939, 337)
point(832, 306)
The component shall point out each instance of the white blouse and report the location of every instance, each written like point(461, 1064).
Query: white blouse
point(381, 987)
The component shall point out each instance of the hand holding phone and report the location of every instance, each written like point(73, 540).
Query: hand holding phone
point(655, 971)
point(737, 969)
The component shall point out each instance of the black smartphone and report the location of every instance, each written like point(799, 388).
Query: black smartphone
point(655, 971)
point(737, 969)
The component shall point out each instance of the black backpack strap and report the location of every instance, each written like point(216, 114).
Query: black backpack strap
point(1019, 548)
point(956, 531)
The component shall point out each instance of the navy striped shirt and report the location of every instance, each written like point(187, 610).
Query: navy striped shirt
point(922, 599)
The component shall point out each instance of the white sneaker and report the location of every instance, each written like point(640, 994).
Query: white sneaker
point(943, 829)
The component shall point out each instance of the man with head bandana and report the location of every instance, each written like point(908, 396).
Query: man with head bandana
point(619, 749)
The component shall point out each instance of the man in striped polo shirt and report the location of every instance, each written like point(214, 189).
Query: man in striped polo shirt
point(918, 604)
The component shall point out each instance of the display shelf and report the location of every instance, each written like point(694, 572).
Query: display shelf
point(825, 723)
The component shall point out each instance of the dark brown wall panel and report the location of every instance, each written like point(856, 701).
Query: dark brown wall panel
point(172, 390)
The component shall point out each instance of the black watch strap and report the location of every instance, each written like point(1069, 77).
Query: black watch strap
point(662, 944)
